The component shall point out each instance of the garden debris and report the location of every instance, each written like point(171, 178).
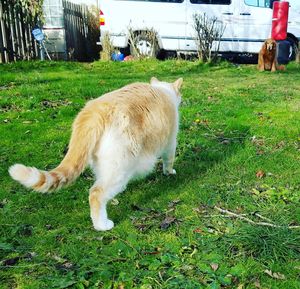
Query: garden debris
point(55, 104)
point(258, 142)
point(198, 231)
point(49, 227)
point(3, 203)
point(275, 275)
point(115, 202)
point(174, 203)
point(257, 284)
point(13, 261)
point(167, 222)
point(242, 217)
point(260, 174)
point(214, 266)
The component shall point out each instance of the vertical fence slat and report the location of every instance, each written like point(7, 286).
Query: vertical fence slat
point(4, 54)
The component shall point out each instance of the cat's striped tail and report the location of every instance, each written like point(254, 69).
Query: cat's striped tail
point(86, 132)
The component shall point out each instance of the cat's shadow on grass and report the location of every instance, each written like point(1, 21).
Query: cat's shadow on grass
point(192, 162)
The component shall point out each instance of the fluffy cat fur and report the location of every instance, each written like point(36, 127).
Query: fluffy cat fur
point(120, 135)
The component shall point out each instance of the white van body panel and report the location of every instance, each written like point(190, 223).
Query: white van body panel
point(246, 26)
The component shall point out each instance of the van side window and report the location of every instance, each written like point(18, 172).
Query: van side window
point(214, 2)
point(259, 3)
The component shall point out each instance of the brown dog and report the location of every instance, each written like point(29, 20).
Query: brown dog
point(267, 56)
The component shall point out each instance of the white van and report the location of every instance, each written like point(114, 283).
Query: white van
point(248, 23)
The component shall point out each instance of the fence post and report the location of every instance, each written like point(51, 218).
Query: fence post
point(3, 42)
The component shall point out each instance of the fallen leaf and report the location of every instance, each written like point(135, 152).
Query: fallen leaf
point(115, 202)
point(173, 203)
point(279, 276)
point(67, 265)
point(48, 227)
point(142, 227)
point(258, 142)
point(225, 141)
point(198, 230)
point(275, 275)
point(257, 284)
point(214, 266)
point(151, 253)
point(280, 145)
point(3, 203)
point(167, 222)
point(260, 174)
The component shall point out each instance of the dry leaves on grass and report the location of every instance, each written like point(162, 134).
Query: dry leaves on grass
point(260, 174)
point(275, 275)
point(214, 266)
point(167, 222)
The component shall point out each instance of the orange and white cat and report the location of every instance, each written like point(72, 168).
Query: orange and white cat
point(120, 135)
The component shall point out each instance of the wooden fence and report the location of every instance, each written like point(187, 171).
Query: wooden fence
point(16, 40)
point(82, 32)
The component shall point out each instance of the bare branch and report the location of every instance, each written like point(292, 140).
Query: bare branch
point(208, 33)
point(242, 217)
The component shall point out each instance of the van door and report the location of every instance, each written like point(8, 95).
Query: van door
point(254, 24)
point(224, 10)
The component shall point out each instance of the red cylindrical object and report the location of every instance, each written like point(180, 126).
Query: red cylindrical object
point(280, 20)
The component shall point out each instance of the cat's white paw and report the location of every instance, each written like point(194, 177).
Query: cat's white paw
point(104, 225)
point(172, 172)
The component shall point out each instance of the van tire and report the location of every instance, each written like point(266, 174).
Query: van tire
point(144, 45)
point(293, 48)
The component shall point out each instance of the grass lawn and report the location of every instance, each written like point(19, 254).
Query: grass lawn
point(238, 149)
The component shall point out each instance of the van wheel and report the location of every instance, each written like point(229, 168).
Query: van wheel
point(293, 48)
point(144, 45)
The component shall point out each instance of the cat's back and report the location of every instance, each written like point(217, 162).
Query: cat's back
point(138, 107)
point(133, 99)
point(138, 93)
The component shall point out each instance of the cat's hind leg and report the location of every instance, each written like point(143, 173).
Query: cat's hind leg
point(100, 194)
point(111, 181)
point(98, 201)
point(168, 158)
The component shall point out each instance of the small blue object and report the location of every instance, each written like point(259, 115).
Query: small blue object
point(117, 56)
point(38, 34)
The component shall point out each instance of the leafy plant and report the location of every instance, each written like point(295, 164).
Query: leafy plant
point(34, 9)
